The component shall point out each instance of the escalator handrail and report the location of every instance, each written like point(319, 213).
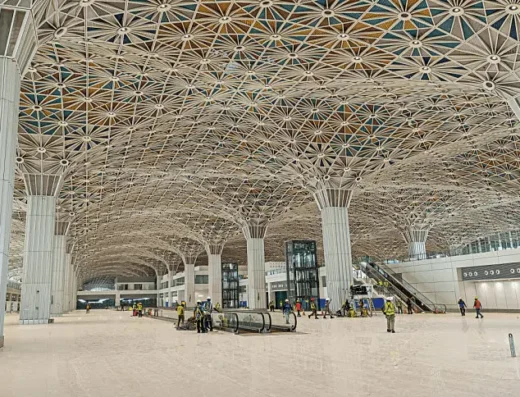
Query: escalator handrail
point(427, 302)
point(379, 275)
point(255, 312)
point(235, 329)
point(414, 290)
point(270, 322)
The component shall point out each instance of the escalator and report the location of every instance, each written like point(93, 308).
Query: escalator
point(402, 289)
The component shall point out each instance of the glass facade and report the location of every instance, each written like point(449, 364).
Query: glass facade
point(302, 272)
point(230, 286)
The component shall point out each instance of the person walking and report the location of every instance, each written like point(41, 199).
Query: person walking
point(462, 307)
point(399, 306)
point(208, 309)
point(409, 306)
point(298, 307)
point(271, 306)
point(327, 309)
point(140, 309)
point(199, 318)
point(180, 315)
point(389, 311)
point(478, 307)
point(314, 310)
point(287, 309)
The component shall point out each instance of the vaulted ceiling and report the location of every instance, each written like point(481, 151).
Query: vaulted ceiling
point(171, 123)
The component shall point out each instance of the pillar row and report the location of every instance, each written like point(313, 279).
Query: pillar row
point(255, 234)
point(37, 261)
point(333, 204)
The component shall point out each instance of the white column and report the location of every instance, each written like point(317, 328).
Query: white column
point(189, 284)
point(333, 204)
point(58, 275)
point(159, 299)
point(117, 301)
point(37, 261)
point(214, 252)
point(74, 302)
point(170, 284)
point(338, 256)
point(215, 278)
point(9, 103)
point(67, 290)
point(415, 236)
point(255, 234)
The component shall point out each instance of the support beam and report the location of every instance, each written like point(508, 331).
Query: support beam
point(255, 235)
point(333, 204)
point(67, 289)
point(37, 261)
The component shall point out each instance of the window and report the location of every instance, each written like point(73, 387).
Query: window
point(179, 281)
point(201, 279)
point(138, 286)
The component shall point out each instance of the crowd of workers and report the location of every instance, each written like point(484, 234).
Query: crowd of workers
point(201, 316)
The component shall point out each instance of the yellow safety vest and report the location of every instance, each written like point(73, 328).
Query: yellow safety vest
point(389, 309)
point(180, 310)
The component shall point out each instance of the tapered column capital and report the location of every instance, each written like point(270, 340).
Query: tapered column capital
point(327, 197)
point(417, 232)
point(254, 228)
point(214, 248)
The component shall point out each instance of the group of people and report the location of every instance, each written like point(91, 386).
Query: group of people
point(137, 309)
point(477, 305)
point(201, 315)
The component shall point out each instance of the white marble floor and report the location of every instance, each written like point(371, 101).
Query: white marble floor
point(110, 354)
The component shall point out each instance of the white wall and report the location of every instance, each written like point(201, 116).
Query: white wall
point(440, 279)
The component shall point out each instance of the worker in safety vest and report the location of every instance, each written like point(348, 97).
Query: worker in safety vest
point(389, 311)
point(327, 309)
point(180, 315)
point(314, 309)
point(198, 313)
point(140, 309)
point(271, 306)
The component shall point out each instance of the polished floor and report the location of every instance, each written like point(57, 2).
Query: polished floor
point(110, 354)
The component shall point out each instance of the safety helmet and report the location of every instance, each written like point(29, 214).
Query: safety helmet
point(199, 301)
point(328, 300)
point(312, 299)
point(287, 300)
point(390, 298)
point(476, 297)
point(208, 298)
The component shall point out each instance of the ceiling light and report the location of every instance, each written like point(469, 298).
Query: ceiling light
point(163, 7)
point(343, 36)
point(123, 30)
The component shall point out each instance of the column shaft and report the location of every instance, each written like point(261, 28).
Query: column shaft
point(9, 104)
point(67, 290)
point(215, 277)
point(256, 273)
point(37, 261)
point(189, 284)
point(159, 300)
point(58, 276)
point(170, 282)
point(417, 250)
point(338, 257)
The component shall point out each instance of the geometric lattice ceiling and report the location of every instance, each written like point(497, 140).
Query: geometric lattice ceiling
point(174, 122)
